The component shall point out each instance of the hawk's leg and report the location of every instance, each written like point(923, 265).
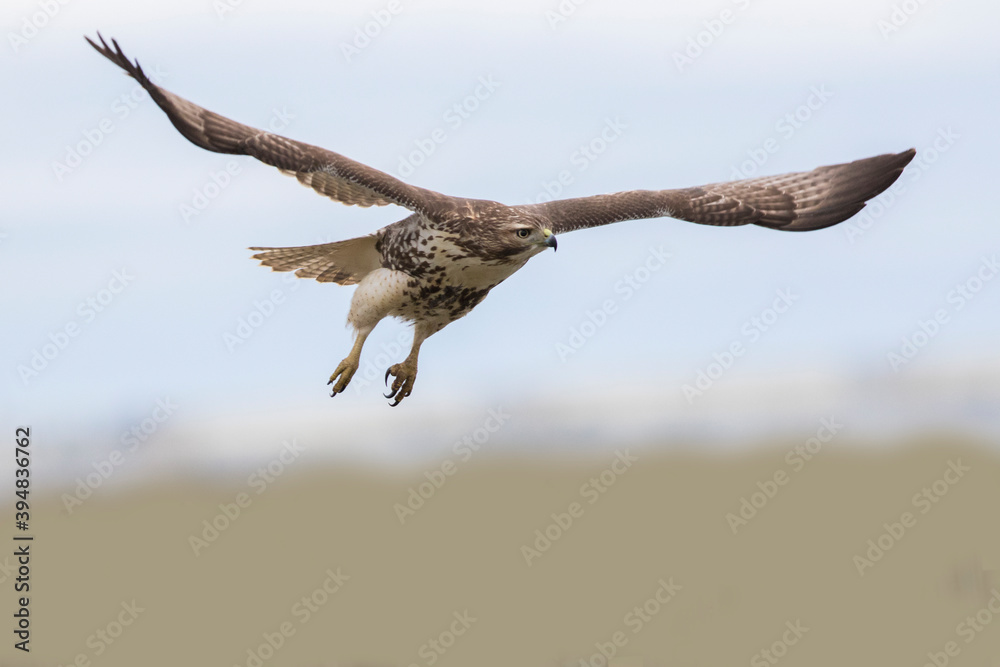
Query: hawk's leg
point(406, 372)
point(349, 366)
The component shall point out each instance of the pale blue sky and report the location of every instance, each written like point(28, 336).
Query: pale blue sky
point(555, 86)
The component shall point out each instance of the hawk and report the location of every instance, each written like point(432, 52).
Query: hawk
point(436, 265)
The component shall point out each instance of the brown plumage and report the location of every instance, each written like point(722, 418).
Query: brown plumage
point(798, 202)
point(436, 265)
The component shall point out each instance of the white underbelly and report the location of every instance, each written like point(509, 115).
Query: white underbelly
point(378, 294)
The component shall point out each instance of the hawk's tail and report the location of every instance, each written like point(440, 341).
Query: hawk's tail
point(343, 262)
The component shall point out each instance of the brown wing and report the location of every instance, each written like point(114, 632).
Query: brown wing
point(326, 172)
point(796, 202)
point(344, 262)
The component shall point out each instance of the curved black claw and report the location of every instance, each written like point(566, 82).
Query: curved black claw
point(342, 377)
point(392, 392)
point(402, 385)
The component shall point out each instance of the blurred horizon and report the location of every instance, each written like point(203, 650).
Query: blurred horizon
point(871, 550)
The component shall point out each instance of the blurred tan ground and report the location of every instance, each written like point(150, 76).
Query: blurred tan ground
point(664, 518)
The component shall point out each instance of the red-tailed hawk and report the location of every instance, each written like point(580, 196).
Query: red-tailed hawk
point(439, 263)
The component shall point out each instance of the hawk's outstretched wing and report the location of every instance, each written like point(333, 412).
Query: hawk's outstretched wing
point(797, 202)
point(326, 172)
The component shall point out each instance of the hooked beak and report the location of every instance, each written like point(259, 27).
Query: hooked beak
point(550, 239)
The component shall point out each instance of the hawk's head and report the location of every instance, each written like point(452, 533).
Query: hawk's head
point(513, 236)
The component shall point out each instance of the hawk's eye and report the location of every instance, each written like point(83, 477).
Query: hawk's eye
point(523, 233)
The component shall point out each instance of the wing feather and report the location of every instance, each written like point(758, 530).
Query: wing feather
point(795, 202)
point(344, 262)
point(328, 173)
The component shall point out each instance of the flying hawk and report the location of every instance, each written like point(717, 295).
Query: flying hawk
point(439, 263)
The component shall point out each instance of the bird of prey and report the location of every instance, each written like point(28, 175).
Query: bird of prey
point(436, 265)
